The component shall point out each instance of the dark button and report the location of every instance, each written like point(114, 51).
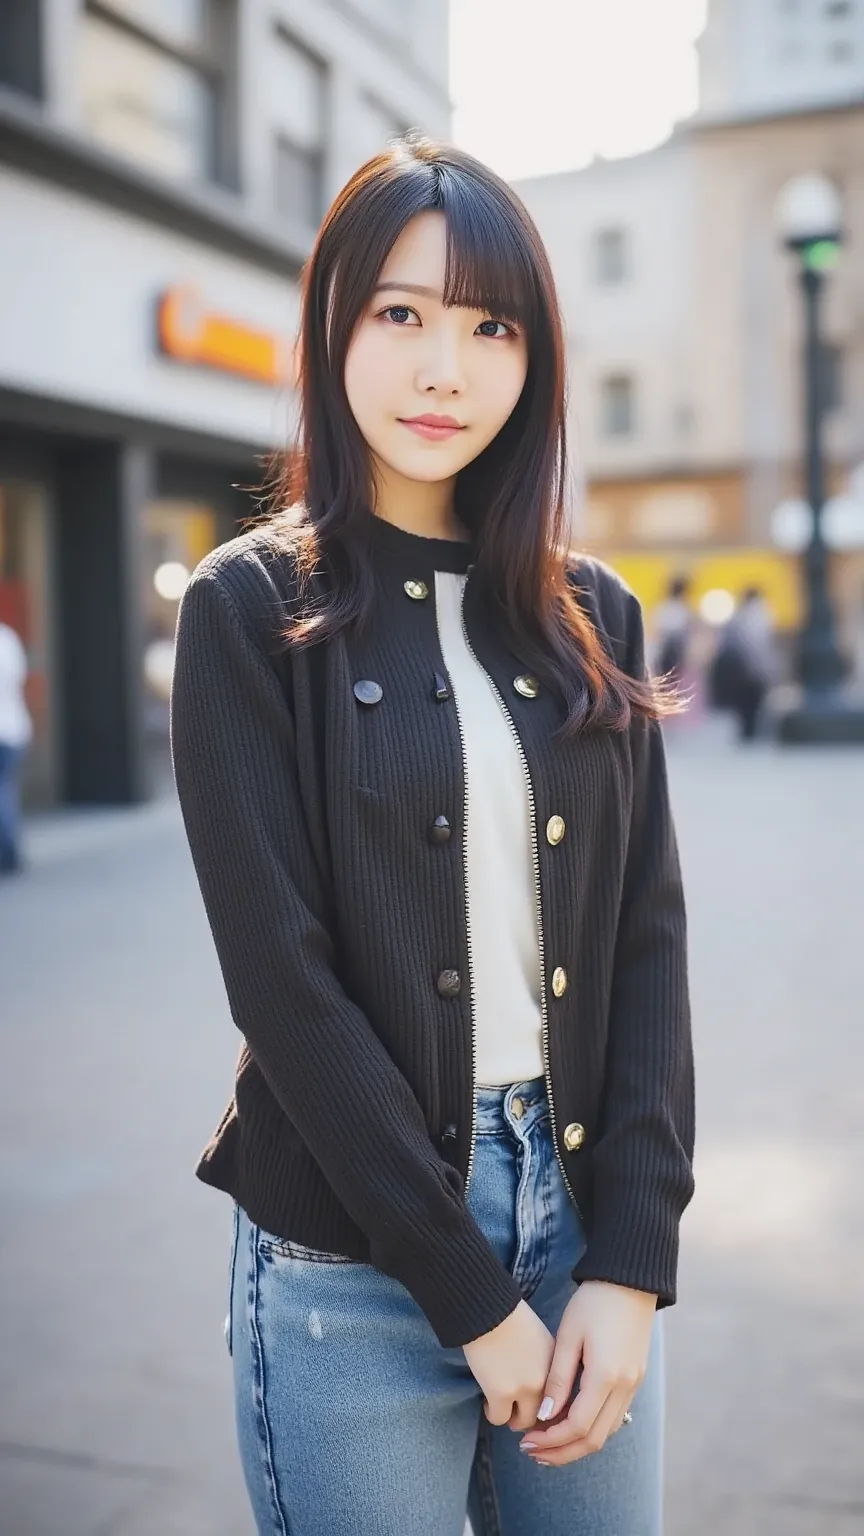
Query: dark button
point(441, 689)
point(449, 1132)
point(368, 692)
point(449, 983)
point(440, 831)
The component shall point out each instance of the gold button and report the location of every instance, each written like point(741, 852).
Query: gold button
point(518, 1108)
point(574, 1135)
point(417, 589)
point(527, 686)
point(559, 981)
point(555, 829)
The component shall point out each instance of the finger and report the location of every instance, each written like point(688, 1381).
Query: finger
point(607, 1421)
point(497, 1411)
point(566, 1360)
point(524, 1415)
point(594, 1388)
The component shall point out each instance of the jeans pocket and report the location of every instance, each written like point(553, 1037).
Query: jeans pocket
point(287, 1248)
point(232, 1268)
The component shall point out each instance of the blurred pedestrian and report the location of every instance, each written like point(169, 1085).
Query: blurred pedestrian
point(681, 647)
point(744, 665)
point(423, 1252)
point(672, 624)
point(15, 733)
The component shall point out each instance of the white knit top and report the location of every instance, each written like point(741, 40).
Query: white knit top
point(502, 910)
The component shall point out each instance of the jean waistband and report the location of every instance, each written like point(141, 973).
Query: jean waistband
point(511, 1104)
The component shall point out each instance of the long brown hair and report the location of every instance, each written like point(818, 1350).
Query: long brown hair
point(512, 496)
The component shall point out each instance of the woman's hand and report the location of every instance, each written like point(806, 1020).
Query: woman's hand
point(608, 1328)
point(511, 1366)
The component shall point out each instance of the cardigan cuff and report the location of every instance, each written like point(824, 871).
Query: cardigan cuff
point(461, 1285)
point(628, 1251)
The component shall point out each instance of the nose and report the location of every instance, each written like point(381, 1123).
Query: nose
point(441, 371)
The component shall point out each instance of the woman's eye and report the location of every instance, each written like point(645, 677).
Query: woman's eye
point(495, 332)
point(400, 314)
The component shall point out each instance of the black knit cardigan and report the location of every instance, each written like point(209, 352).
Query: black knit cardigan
point(313, 784)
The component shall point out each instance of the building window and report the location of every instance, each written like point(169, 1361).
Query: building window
point(298, 100)
point(684, 419)
point(21, 46)
point(611, 264)
point(617, 405)
point(152, 83)
point(297, 182)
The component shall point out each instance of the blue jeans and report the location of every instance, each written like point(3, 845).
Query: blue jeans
point(11, 759)
point(352, 1419)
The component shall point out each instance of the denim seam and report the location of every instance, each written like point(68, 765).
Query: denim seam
point(232, 1270)
point(539, 1240)
point(265, 1439)
point(486, 1484)
point(519, 1212)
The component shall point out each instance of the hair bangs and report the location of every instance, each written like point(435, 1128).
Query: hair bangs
point(488, 266)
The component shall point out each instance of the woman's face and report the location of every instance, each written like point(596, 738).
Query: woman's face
point(411, 357)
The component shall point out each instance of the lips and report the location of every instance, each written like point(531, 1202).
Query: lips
point(431, 421)
point(432, 427)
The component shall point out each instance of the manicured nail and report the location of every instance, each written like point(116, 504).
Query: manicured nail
point(546, 1407)
point(527, 1445)
point(538, 1461)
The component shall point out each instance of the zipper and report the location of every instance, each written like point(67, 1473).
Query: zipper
point(538, 896)
point(467, 909)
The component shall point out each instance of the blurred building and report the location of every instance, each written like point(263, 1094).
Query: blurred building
point(758, 56)
point(164, 165)
point(684, 319)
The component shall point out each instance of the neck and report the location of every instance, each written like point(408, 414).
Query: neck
point(419, 506)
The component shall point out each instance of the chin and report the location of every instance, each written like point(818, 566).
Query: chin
point(430, 465)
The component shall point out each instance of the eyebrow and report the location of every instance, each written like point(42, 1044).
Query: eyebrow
point(429, 293)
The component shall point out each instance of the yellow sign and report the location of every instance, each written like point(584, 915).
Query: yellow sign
point(191, 333)
point(731, 570)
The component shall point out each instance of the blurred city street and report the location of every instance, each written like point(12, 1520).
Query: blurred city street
point(118, 1054)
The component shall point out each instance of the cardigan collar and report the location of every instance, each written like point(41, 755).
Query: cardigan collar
point(412, 554)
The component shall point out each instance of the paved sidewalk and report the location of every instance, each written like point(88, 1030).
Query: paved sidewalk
point(115, 1415)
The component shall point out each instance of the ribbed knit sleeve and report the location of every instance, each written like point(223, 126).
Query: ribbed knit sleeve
point(233, 746)
point(642, 1161)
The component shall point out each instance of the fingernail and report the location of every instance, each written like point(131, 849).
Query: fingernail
point(527, 1445)
point(540, 1463)
point(546, 1407)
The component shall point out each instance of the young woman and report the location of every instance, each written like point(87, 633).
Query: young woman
point(422, 776)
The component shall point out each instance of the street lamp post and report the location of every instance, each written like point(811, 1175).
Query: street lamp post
point(810, 223)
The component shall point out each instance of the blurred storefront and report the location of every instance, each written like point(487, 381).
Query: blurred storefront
point(143, 383)
point(697, 526)
point(99, 531)
point(163, 171)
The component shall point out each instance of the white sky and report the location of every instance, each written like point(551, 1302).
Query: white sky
point(544, 85)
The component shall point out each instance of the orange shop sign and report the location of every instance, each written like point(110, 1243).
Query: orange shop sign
point(191, 333)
